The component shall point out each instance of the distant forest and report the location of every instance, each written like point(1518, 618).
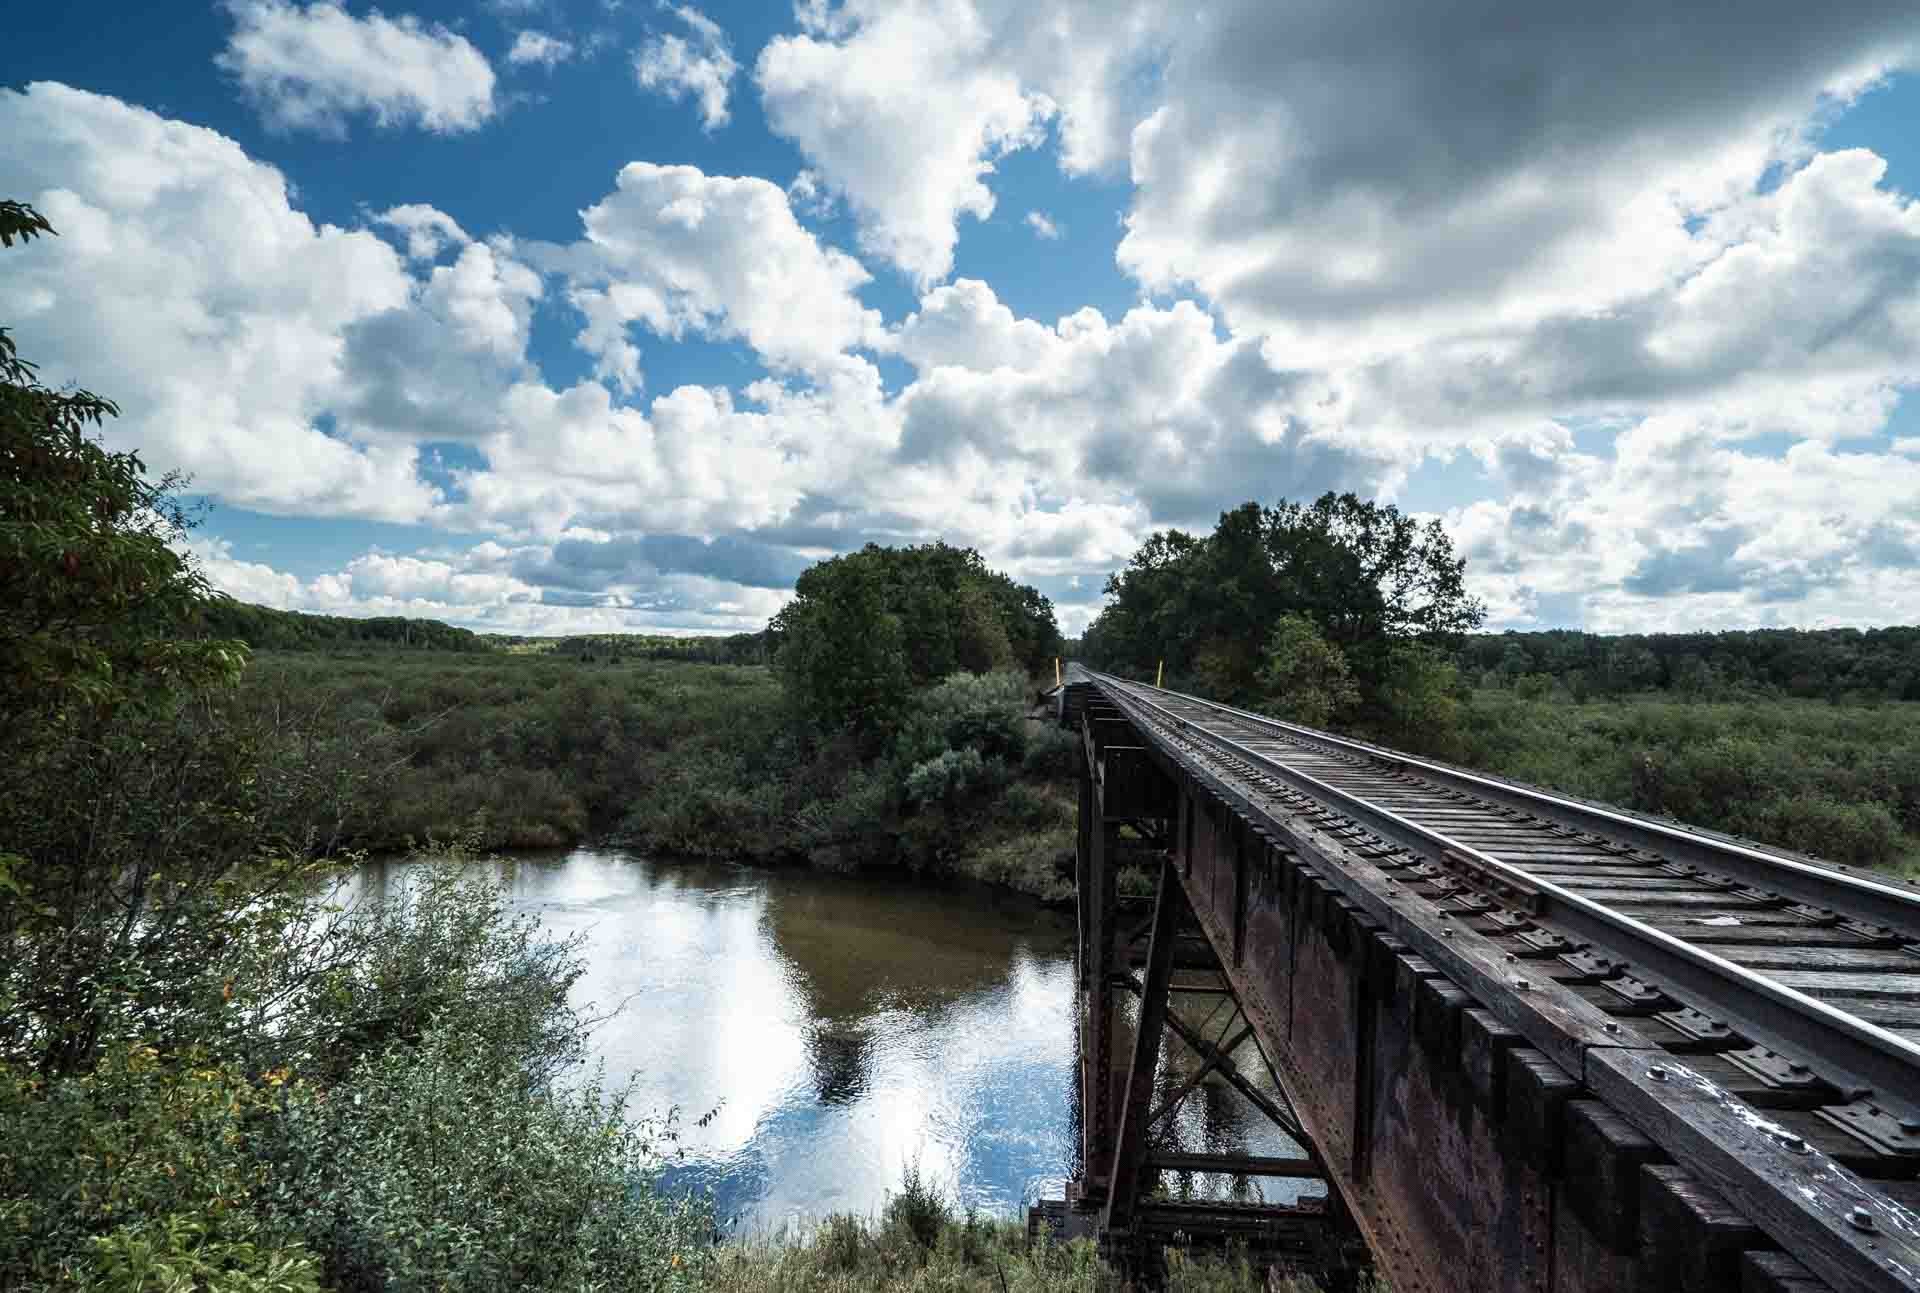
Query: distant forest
point(1815, 664)
point(266, 629)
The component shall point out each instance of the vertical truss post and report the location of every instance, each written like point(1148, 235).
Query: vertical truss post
point(1130, 1149)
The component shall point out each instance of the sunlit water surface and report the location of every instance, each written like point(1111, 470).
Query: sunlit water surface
point(837, 1028)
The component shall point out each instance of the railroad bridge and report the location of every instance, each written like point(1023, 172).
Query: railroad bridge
point(1517, 1041)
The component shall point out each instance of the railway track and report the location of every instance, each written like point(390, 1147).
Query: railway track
point(1788, 984)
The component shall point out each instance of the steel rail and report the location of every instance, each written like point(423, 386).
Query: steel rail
point(1766, 1010)
point(1885, 902)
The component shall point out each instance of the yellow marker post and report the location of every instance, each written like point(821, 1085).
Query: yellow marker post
point(1160, 674)
point(1058, 681)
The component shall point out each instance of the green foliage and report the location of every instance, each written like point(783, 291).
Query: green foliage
point(266, 629)
point(435, 1167)
point(178, 1253)
point(920, 1208)
point(1750, 664)
point(1418, 698)
point(866, 629)
point(984, 713)
point(965, 1252)
point(1839, 782)
point(92, 590)
point(165, 849)
point(1305, 677)
point(947, 778)
point(444, 952)
point(1364, 575)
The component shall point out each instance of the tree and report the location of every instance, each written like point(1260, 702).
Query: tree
point(841, 648)
point(1305, 677)
point(133, 817)
point(1366, 577)
point(1369, 575)
point(866, 628)
point(92, 590)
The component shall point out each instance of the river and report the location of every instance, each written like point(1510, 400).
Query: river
point(836, 1027)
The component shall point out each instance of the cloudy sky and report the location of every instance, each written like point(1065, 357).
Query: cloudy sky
point(561, 315)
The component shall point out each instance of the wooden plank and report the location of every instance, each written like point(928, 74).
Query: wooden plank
point(1698, 904)
point(1764, 1272)
point(1620, 887)
point(1690, 1236)
point(1884, 1011)
point(1801, 1200)
point(1759, 927)
point(1781, 956)
point(1609, 873)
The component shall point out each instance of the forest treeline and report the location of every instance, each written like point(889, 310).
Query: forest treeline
point(1824, 664)
point(265, 629)
point(609, 648)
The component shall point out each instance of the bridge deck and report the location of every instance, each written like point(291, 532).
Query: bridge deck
point(1679, 1015)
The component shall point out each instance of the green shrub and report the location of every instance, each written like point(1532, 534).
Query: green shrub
point(920, 1209)
point(984, 712)
point(1050, 752)
point(949, 777)
point(445, 951)
point(146, 1161)
point(438, 1167)
point(179, 1253)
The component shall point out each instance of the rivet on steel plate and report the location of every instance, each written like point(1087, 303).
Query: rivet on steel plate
point(1658, 1073)
point(1511, 958)
point(1860, 1219)
point(1521, 985)
point(1611, 1027)
point(1795, 1143)
point(1446, 933)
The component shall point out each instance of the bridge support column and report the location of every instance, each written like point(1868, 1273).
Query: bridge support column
point(1132, 814)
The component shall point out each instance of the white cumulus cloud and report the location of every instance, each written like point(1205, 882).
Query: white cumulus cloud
point(311, 67)
point(540, 49)
point(903, 108)
point(701, 67)
point(677, 251)
point(185, 286)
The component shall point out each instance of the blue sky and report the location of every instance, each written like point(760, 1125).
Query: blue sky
point(551, 315)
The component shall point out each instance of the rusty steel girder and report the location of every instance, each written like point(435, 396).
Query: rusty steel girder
point(1469, 1160)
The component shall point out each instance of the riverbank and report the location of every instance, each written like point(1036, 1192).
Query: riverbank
point(965, 1255)
point(510, 750)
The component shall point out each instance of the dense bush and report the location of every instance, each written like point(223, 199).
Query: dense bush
point(395, 1121)
point(433, 1166)
point(147, 1161)
point(1840, 782)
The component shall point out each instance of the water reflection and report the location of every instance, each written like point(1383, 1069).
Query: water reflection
point(837, 1028)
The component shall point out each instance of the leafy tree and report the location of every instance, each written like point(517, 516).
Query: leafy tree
point(92, 591)
point(865, 629)
point(127, 806)
point(1419, 698)
point(842, 647)
point(1363, 574)
point(1305, 677)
